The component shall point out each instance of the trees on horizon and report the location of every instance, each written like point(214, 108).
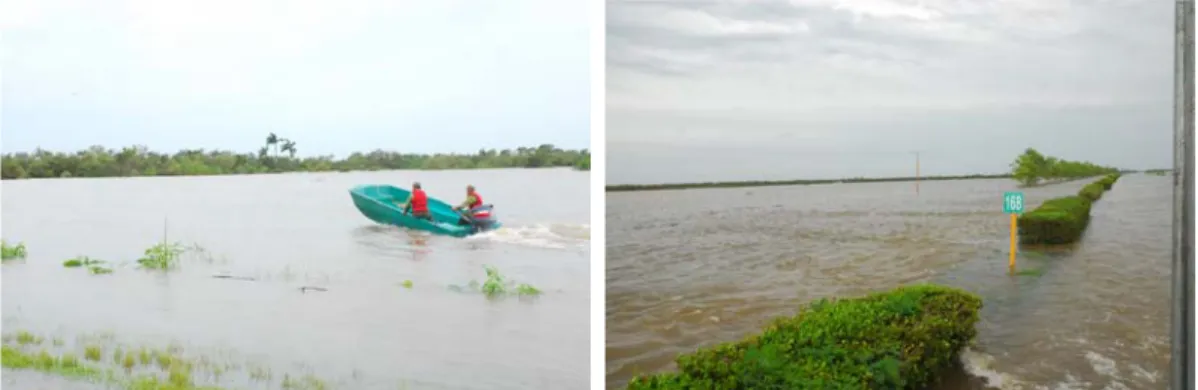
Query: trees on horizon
point(278, 154)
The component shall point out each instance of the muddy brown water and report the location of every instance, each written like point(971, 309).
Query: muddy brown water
point(293, 230)
point(691, 268)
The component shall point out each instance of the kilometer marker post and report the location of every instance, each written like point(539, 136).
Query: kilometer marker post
point(1012, 204)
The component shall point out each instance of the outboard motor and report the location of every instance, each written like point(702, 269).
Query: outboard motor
point(482, 217)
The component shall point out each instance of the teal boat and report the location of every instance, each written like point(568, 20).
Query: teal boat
point(381, 203)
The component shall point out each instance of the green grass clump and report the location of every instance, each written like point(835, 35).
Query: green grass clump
point(92, 353)
point(162, 256)
point(26, 338)
point(81, 261)
point(1063, 220)
point(901, 339)
point(67, 366)
point(93, 265)
point(1093, 191)
point(305, 383)
point(496, 285)
point(8, 252)
point(1056, 221)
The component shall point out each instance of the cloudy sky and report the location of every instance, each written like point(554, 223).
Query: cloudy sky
point(336, 77)
point(736, 90)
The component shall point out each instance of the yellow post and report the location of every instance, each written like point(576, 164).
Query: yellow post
point(1014, 221)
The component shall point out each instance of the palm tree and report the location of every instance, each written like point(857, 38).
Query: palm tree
point(273, 140)
point(289, 147)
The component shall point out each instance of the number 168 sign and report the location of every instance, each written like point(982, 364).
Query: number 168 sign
point(1012, 202)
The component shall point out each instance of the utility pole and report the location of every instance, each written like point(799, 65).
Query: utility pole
point(916, 173)
point(1181, 375)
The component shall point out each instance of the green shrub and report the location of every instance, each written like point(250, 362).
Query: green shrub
point(1063, 220)
point(1056, 221)
point(1093, 191)
point(899, 339)
point(8, 252)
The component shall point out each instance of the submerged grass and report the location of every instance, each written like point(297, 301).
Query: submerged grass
point(92, 352)
point(496, 285)
point(1030, 272)
point(67, 366)
point(136, 368)
point(95, 266)
point(26, 338)
point(10, 252)
point(81, 261)
point(162, 256)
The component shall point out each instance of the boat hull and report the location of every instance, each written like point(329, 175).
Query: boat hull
point(380, 203)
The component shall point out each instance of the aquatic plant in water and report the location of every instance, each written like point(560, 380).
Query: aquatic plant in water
point(159, 369)
point(496, 285)
point(8, 252)
point(81, 261)
point(93, 265)
point(162, 256)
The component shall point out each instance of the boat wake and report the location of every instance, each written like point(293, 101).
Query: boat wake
point(552, 236)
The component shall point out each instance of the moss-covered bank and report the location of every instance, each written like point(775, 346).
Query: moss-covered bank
point(900, 339)
point(1063, 220)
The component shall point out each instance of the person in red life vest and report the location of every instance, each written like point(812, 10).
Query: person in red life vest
point(473, 203)
point(417, 204)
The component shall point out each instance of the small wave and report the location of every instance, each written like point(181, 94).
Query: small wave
point(981, 365)
point(553, 236)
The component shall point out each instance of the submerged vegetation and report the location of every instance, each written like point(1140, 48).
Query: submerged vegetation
point(162, 256)
point(496, 285)
point(139, 368)
point(1031, 167)
point(900, 339)
point(8, 252)
point(95, 266)
point(276, 155)
point(1063, 220)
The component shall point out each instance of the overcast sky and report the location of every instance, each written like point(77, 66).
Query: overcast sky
point(336, 77)
point(736, 90)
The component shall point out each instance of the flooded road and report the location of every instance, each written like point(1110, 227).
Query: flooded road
point(691, 268)
point(279, 233)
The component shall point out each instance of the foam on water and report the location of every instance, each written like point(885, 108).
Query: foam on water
point(552, 236)
point(981, 365)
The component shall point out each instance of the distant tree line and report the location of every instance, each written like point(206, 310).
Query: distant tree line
point(1032, 167)
point(276, 155)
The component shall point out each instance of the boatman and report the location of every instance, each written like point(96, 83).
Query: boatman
point(473, 203)
point(417, 204)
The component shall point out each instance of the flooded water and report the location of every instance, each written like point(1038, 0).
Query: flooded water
point(691, 268)
point(279, 233)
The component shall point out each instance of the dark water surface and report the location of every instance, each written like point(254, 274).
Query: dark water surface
point(690, 268)
point(293, 230)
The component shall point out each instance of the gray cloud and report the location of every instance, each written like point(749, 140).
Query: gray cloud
point(701, 74)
